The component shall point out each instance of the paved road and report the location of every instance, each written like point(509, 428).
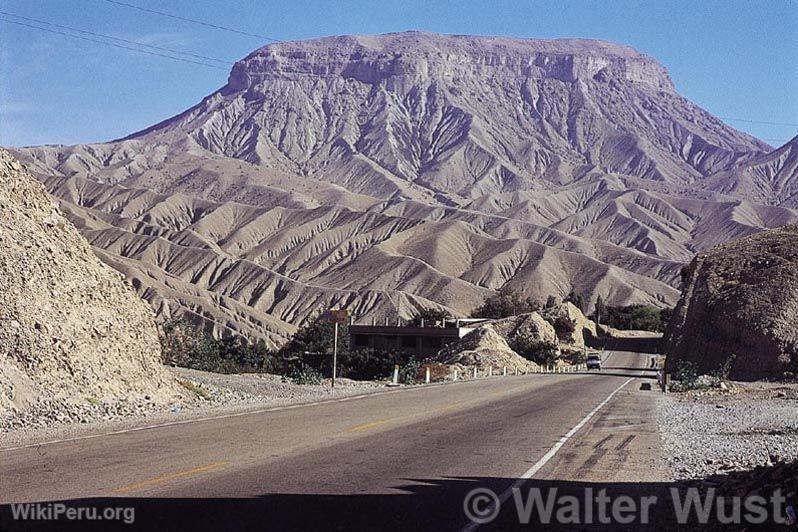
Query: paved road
point(400, 459)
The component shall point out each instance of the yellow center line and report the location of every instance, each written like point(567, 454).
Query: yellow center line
point(449, 407)
point(370, 425)
point(166, 478)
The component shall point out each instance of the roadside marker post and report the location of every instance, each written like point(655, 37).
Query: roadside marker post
point(426, 376)
point(475, 372)
point(490, 371)
point(396, 374)
point(455, 376)
point(504, 371)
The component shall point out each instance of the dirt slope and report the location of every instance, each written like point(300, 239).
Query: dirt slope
point(740, 306)
point(70, 328)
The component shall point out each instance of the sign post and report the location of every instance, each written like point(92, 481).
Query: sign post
point(336, 317)
point(335, 354)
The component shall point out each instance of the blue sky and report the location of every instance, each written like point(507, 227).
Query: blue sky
point(737, 59)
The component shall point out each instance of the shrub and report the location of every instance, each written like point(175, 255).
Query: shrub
point(367, 364)
point(636, 317)
point(199, 391)
point(409, 371)
point(724, 370)
point(685, 373)
point(315, 337)
point(305, 374)
point(504, 304)
point(430, 316)
point(184, 345)
point(538, 351)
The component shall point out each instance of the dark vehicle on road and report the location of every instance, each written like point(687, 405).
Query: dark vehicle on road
point(593, 362)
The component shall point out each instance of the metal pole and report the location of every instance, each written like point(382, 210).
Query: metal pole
point(335, 354)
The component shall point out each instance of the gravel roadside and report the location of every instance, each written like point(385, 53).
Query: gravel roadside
point(206, 394)
point(715, 432)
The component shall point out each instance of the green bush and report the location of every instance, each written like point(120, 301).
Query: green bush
point(538, 351)
point(305, 374)
point(635, 317)
point(408, 372)
point(185, 345)
point(430, 316)
point(685, 374)
point(504, 304)
point(367, 364)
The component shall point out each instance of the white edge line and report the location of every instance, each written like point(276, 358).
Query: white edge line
point(529, 473)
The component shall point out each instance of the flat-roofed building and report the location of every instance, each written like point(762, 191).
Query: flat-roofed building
point(411, 339)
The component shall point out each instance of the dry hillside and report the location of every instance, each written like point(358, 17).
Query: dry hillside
point(70, 329)
point(739, 308)
point(387, 173)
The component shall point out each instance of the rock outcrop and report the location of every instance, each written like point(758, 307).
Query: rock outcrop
point(739, 308)
point(530, 325)
point(570, 324)
point(70, 328)
point(484, 348)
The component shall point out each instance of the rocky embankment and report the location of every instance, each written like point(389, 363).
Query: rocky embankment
point(562, 327)
point(72, 332)
point(739, 309)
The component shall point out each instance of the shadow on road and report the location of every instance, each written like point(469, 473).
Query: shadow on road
point(418, 505)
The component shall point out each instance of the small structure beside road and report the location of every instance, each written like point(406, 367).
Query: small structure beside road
point(423, 339)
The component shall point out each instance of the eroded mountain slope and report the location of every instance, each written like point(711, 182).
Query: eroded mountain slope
point(385, 173)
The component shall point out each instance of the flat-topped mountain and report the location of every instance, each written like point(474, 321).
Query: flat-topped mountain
point(387, 173)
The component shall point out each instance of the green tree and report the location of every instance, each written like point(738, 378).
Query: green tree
point(505, 303)
point(183, 344)
point(637, 317)
point(430, 317)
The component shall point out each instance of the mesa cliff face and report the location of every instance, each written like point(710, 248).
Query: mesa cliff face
point(388, 173)
point(462, 116)
point(70, 329)
point(739, 307)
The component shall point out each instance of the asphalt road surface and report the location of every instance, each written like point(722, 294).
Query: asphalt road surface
point(402, 459)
